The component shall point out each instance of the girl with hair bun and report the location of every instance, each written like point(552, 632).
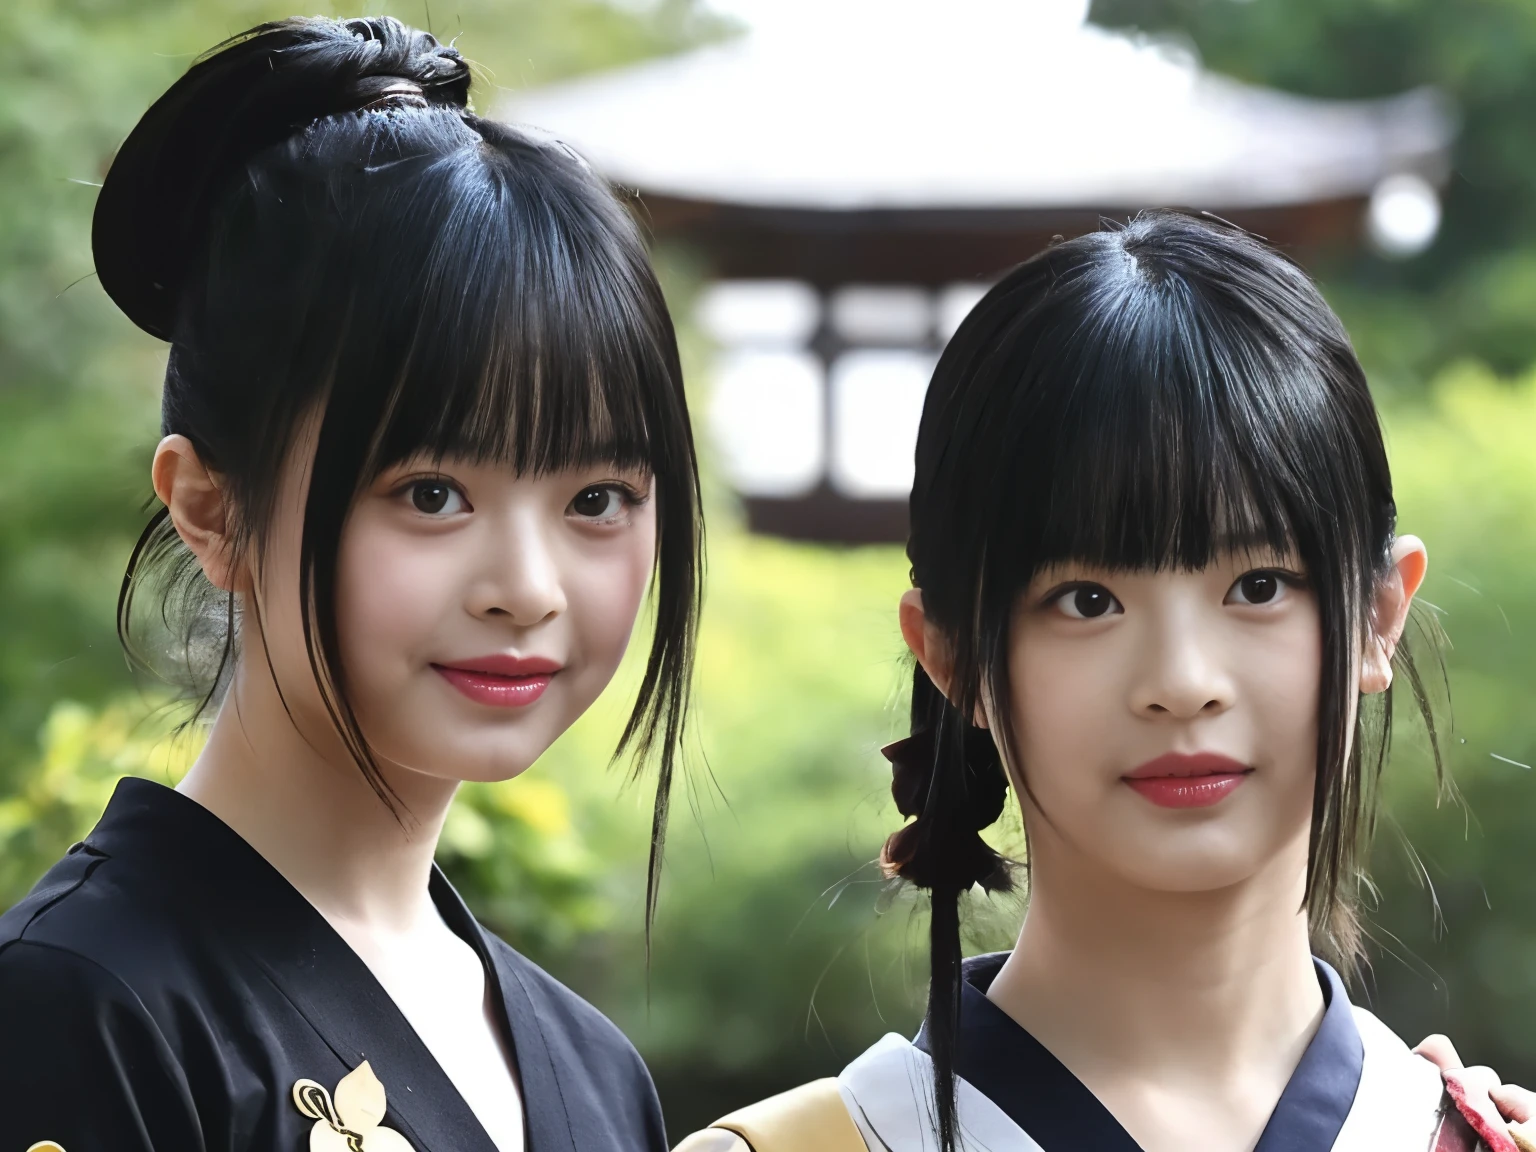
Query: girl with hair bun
point(1159, 594)
point(425, 452)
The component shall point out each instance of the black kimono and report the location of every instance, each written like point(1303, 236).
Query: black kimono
point(164, 988)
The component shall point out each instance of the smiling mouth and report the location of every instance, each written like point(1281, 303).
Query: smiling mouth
point(500, 682)
point(1181, 780)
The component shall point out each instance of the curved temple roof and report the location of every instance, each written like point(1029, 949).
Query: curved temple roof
point(973, 104)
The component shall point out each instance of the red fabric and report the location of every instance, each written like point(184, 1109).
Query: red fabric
point(1481, 1113)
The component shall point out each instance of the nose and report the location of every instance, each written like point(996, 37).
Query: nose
point(1181, 672)
point(519, 572)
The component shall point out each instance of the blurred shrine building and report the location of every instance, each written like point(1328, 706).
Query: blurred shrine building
point(853, 181)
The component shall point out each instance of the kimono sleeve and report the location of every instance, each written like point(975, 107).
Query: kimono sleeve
point(82, 1063)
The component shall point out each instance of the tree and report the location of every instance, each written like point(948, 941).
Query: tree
point(1473, 293)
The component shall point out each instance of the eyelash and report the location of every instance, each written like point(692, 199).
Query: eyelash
point(1292, 581)
point(1057, 596)
point(406, 487)
point(629, 499)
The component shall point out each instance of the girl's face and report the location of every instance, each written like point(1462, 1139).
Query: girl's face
point(479, 612)
point(1166, 722)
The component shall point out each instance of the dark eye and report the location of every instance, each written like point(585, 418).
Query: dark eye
point(596, 503)
point(1087, 602)
point(1257, 588)
point(435, 497)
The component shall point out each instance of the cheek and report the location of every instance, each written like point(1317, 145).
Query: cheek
point(1060, 699)
point(1281, 679)
point(391, 590)
point(604, 589)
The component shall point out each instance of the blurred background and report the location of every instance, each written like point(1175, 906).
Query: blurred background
point(830, 185)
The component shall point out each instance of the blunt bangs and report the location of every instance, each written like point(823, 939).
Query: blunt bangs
point(1119, 412)
point(492, 316)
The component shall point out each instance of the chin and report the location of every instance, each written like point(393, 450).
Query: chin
point(1190, 868)
point(497, 772)
point(489, 760)
point(1191, 879)
point(483, 765)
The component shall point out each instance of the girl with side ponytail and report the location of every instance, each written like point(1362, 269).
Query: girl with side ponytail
point(425, 453)
point(1159, 595)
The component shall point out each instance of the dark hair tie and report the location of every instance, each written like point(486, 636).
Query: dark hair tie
point(912, 765)
point(941, 848)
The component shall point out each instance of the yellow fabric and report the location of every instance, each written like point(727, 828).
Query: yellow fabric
point(811, 1118)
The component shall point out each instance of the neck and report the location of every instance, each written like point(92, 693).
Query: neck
point(1114, 976)
point(287, 785)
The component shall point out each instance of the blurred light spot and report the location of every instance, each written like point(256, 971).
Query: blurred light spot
point(1404, 215)
point(777, 313)
point(955, 303)
point(877, 402)
point(768, 418)
point(882, 314)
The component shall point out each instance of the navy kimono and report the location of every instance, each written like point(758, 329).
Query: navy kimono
point(164, 989)
point(1357, 1088)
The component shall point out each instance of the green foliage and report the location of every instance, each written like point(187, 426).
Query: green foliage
point(59, 796)
point(514, 851)
point(1474, 292)
point(1457, 926)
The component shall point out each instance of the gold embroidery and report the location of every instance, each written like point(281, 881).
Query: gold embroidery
point(350, 1123)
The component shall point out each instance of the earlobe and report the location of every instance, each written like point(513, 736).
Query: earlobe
point(195, 502)
point(1389, 612)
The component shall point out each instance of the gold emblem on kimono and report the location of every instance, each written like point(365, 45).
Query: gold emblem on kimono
point(350, 1122)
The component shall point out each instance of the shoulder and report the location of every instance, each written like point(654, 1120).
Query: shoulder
point(811, 1118)
point(1400, 1098)
point(45, 980)
point(1390, 1060)
point(90, 915)
point(85, 1064)
point(889, 1093)
point(713, 1140)
point(47, 989)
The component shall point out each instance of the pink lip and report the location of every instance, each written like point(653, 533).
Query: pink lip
point(1187, 780)
point(500, 681)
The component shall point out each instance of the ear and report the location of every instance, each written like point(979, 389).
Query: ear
point(1389, 612)
point(192, 495)
point(931, 647)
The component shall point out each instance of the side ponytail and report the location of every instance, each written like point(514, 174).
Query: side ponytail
point(947, 775)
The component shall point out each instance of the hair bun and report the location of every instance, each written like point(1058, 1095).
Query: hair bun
point(249, 93)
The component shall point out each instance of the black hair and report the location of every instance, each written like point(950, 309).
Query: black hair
point(1139, 398)
point(320, 226)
